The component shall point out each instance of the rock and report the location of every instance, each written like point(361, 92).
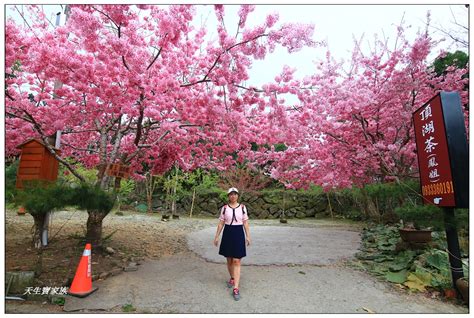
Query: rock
point(19, 281)
point(300, 215)
point(109, 250)
point(264, 214)
point(115, 271)
point(298, 209)
point(310, 212)
point(131, 267)
point(104, 275)
point(37, 297)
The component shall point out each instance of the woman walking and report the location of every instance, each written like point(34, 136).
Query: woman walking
point(234, 219)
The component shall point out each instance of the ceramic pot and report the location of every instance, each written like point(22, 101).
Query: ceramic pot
point(415, 236)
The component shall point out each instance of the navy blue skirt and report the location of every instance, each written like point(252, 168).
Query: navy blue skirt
point(233, 242)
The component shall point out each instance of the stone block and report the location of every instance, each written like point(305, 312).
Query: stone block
point(19, 281)
point(300, 215)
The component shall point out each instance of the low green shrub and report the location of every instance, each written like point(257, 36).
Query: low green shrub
point(89, 197)
point(430, 216)
point(39, 197)
point(10, 182)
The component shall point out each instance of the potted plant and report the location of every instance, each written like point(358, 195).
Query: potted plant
point(418, 221)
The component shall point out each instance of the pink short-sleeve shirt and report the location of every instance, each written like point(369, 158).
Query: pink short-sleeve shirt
point(238, 214)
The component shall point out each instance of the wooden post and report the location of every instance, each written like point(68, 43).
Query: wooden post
point(175, 185)
point(192, 203)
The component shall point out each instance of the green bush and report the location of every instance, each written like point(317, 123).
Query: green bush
point(10, 182)
point(422, 216)
point(89, 197)
point(430, 216)
point(89, 175)
point(126, 191)
point(39, 197)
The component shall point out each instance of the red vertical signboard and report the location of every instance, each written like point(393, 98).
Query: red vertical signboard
point(433, 156)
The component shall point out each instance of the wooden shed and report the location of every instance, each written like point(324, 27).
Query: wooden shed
point(36, 163)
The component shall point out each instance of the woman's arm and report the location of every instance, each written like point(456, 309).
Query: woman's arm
point(247, 231)
point(218, 232)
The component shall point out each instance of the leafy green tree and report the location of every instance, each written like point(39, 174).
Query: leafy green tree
point(458, 59)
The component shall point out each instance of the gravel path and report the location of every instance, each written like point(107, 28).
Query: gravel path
point(187, 284)
point(276, 245)
point(290, 268)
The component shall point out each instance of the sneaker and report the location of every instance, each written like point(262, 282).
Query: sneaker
point(236, 294)
point(230, 283)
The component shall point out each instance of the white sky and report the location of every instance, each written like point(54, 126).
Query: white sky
point(338, 25)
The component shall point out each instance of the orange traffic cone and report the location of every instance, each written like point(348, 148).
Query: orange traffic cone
point(82, 283)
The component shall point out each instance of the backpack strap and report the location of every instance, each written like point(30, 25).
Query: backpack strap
point(223, 209)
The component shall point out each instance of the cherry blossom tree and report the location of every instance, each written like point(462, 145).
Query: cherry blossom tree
point(140, 86)
point(353, 127)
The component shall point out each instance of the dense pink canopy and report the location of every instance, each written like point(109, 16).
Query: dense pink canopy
point(354, 126)
point(141, 85)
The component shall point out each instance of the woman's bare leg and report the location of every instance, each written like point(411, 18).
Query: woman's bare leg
point(236, 271)
point(230, 266)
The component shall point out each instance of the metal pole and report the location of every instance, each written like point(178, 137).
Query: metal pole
point(453, 246)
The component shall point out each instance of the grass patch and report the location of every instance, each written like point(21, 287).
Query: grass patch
point(128, 308)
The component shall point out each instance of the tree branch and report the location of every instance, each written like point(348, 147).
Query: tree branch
point(204, 79)
point(80, 149)
point(125, 63)
point(140, 121)
point(106, 15)
point(9, 96)
point(145, 146)
point(156, 57)
point(256, 90)
point(24, 20)
point(38, 128)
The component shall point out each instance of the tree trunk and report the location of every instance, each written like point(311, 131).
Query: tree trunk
point(94, 228)
point(329, 205)
point(38, 269)
point(101, 172)
point(149, 187)
point(39, 225)
point(117, 183)
point(149, 203)
point(370, 209)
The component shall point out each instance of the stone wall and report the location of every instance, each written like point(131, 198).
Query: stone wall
point(260, 205)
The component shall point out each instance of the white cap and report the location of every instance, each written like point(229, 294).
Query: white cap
point(232, 190)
